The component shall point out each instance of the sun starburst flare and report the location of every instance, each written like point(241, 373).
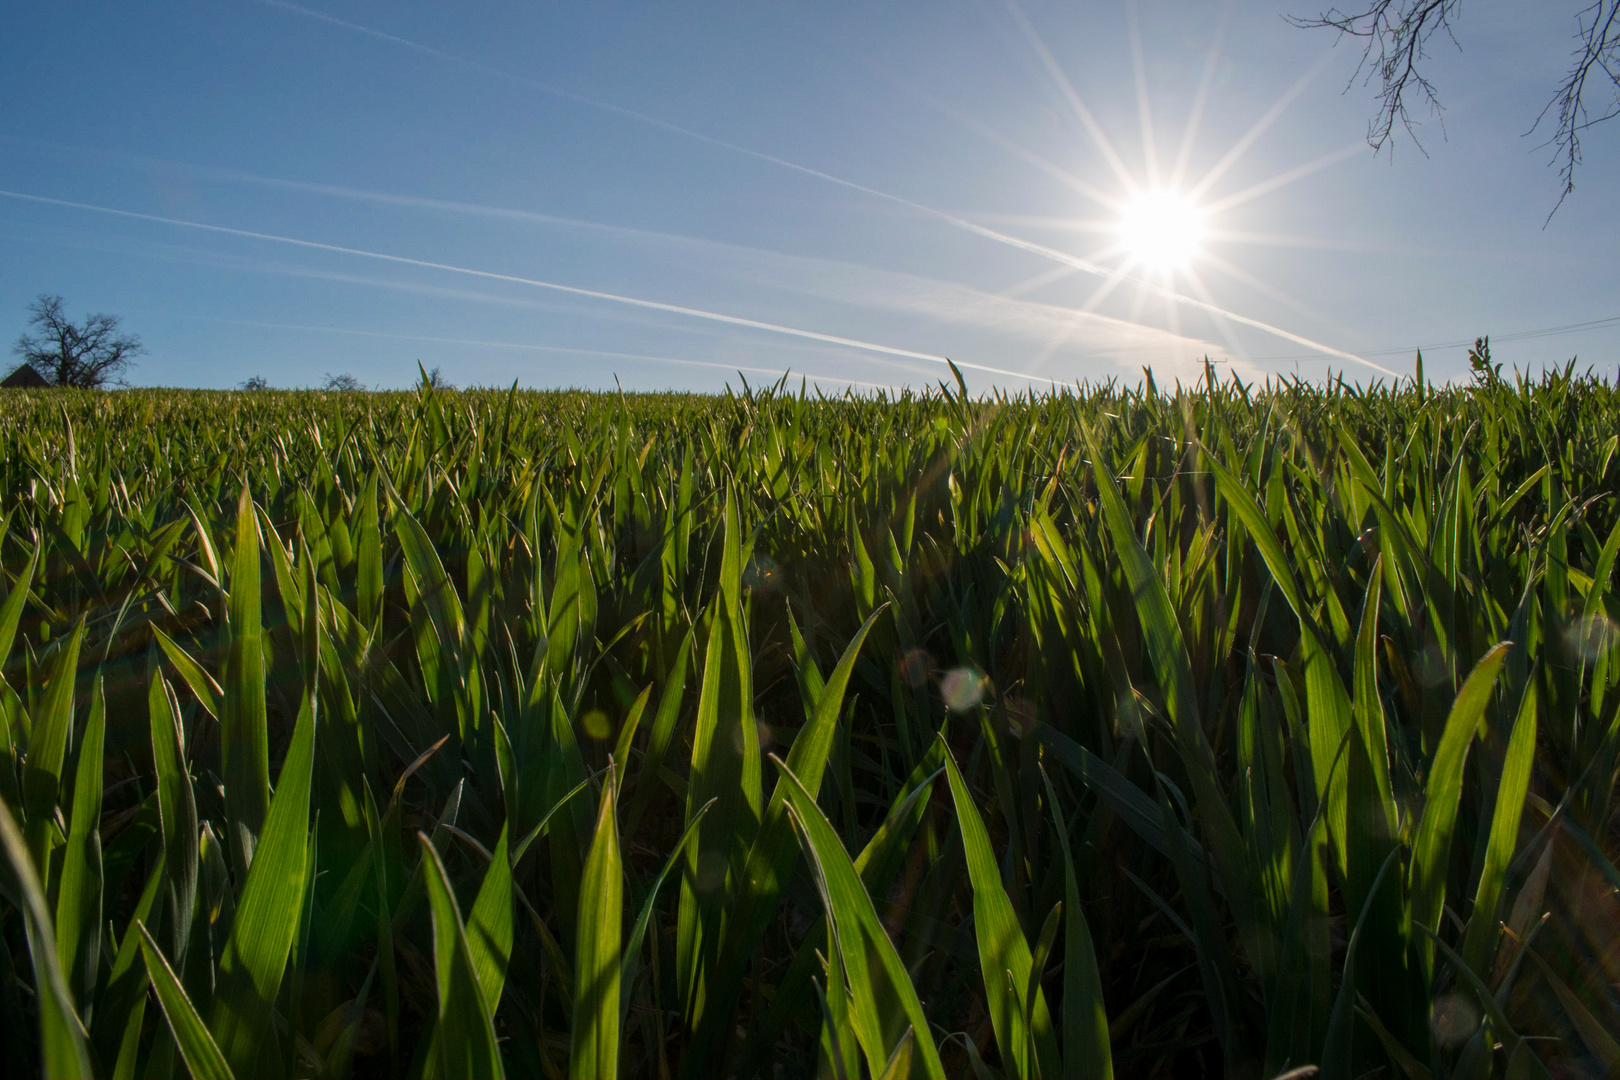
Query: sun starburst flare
point(1162, 230)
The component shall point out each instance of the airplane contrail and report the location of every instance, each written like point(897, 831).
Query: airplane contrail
point(1032, 248)
point(490, 275)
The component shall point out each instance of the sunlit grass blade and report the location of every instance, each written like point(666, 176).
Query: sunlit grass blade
point(774, 851)
point(47, 747)
point(244, 732)
point(202, 684)
point(465, 1033)
point(61, 1035)
point(267, 915)
point(1086, 1051)
point(1479, 943)
point(594, 1038)
point(11, 610)
point(177, 807)
point(885, 1002)
point(197, 1046)
point(1002, 947)
point(489, 930)
point(725, 766)
point(78, 898)
point(1431, 849)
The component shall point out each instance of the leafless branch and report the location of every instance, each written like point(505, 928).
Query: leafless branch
point(1597, 57)
point(1397, 35)
point(90, 354)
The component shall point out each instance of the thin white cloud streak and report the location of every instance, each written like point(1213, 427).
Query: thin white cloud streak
point(572, 290)
point(990, 234)
point(1122, 342)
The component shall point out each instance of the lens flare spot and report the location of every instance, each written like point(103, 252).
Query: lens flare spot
point(962, 689)
point(915, 666)
point(597, 725)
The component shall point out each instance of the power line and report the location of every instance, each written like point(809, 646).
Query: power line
point(1522, 335)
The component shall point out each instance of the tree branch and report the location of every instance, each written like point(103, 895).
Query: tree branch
point(1598, 51)
point(1397, 34)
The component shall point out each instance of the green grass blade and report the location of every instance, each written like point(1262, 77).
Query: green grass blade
point(267, 915)
point(1479, 943)
point(885, 1004)
point(1431, 849)
point(115, 1030)
point(1125, 798)
point(725, 766)
point(1259, 529)
point(47, 749)
point(78, 898)
point(439, 648)
point(771, 858)
point(1037, 970)
point(663, 730)
point(177, 808)
point(1336, 1049)
point(202, 684)
point(594, 1038)
point(244, 731)
point(466, 1032)
point(1002, 947)
point(197, 1046)
point(61, 1035)
point(489, 930)
point(1086, 1051)
point(638, 932)
point(11, 610)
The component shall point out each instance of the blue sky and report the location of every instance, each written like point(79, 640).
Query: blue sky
point(666, 194)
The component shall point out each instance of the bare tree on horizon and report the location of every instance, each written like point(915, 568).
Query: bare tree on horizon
point(87, 355)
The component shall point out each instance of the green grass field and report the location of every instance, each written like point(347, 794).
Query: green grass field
point(1111, 732)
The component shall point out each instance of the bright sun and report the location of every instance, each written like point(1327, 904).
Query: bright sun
point(1161, 230)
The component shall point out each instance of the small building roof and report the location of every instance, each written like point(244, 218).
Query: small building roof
point(25, 377)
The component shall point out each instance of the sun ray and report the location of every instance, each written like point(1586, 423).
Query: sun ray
point(1112, 282)
point(1314, 243)
point(1223, 325)
point(1172, 314)
point(1094, 129)
point(1206, 82)
point(1048, 221)
point(1029, 157)
point(1144, 106)
point(1052, 68)
point(1243, 144)
point(1271, 292)
point(1265, 187)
